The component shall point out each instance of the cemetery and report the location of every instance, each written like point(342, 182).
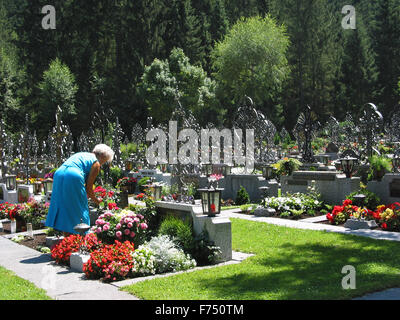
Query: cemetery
point(210, 150)
point(161, 218)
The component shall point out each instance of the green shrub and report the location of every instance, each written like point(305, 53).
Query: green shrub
point(371, 201)
point(242, 197)
point(115, 174)
point(379, 165)
point(142, 182)
point(179, 230)
point(204, 250)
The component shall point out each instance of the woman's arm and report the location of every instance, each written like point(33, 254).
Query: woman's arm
point(94, 171)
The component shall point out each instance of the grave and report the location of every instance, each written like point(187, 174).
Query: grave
point(332, 186)
point(157, 175)
point(218, 228)
point(9, 196)
point(388, 189)
point(24, 192)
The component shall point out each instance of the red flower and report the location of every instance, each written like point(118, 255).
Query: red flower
point(384, 226)
point(347, 202)
point(112, 205)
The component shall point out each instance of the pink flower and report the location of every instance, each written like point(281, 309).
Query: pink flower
point(118, 234)
point(130, 225)
point(143, 226)
point(106, 227)
point(132, 234)
point(98, 230)
point(118, 226)
point(127, 231)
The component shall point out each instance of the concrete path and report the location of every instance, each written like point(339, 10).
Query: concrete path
point(60, 282)
point(63, 284)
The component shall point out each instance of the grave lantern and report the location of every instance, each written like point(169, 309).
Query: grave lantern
point(37, 187)
point(82, 228)
point(48, 185)
point(324, 159)
point(11, 182)
point(139, 165)
point(207, 169)
point(211, 201)
point(348, 165)
point(129, 164)
point(396, 163)
point(163, 167)
point(359, 199)
point(155, 191)
point(267, 171)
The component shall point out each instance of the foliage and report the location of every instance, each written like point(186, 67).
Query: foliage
point(205, 251)
point(180, 231)
point(251, 60)
point(58, 88)
point(116, 173)
point(372, 201)
point(175, 78)
point(379, 165)
point(125, 181)
point(295, 204)
point(168, 257)
point(242, 197)
point(286, 166)
point(34, 212)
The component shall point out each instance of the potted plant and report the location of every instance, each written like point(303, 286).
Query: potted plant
point(127, 184)
point(379, 165)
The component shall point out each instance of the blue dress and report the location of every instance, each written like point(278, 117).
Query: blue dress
point(69, 203)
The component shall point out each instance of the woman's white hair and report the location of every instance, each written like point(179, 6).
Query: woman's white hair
point(103, 151)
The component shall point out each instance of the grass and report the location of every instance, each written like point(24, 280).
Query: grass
point(16, 288)
point(289, 264)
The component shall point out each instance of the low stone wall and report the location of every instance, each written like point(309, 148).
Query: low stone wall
point(388, 189)
point(332, 186)
point(218, 228)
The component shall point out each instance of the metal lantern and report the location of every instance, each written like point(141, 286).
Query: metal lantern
point(37, 187)
point(264, 191)
point(163, 167)
point(82, 228)
point(11, 182)
point(396, 162)
point(155, 189)
point(48, 185)
point(207, 169)
point(267, 171)
point(348, 165)
point(129, 164)
point(324, 159)
point(211, 201)
point(359, 199)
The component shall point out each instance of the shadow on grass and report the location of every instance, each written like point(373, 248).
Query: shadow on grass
point(312, 271)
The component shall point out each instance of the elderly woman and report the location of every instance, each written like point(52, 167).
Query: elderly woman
point(73, 185)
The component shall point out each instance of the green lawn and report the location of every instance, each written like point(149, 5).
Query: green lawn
point(288, 264)
point(15, 288)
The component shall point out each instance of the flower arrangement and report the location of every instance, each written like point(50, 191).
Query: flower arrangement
point(34, 212)
point(107, 197)
point(388, 217)
point(126, 181)
point(5, 208)
point(291, 205)
point(62, 251)
point(15, 210)
point(140, 196)
point(110, 262)
point(341, 214)
point(124, 225)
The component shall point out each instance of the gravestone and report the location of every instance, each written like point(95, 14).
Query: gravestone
point(394, 188)
point(388, 190)
point(24, 192)
point(332, 148)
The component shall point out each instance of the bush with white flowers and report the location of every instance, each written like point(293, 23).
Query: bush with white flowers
point(143, 261)
point(168, 257)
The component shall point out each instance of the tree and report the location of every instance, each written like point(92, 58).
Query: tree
point(57, 88)
point(164, 81)
point(251, 60)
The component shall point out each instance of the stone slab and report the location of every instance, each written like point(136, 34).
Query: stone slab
point(77, 261)
point(355, 224)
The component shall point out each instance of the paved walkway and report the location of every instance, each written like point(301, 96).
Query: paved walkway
point(63, 284)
